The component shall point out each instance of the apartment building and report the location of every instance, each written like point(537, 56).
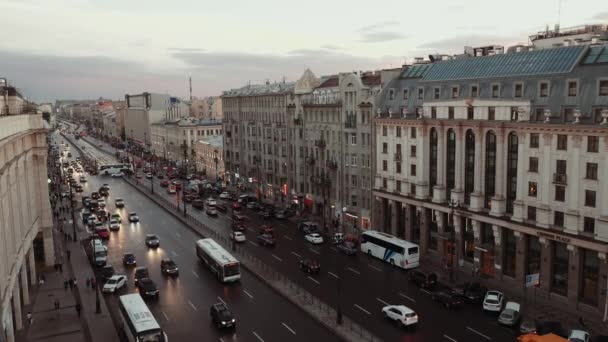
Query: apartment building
point(175, 140)
point(209, 156)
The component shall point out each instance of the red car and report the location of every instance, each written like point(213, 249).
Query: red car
point(236, 206)
point(164, 183)
point(266, 229)
point(103, 233)
point(178, 185)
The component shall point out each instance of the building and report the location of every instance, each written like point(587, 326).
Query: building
point(26, 224)
point(494, 165)
point(207, 108)
point(11, 99)
point(578, 35)
point(209, 156)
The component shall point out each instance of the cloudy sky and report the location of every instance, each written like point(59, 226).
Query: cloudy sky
point(89, 48)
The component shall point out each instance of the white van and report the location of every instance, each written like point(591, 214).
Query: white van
point(99, 252)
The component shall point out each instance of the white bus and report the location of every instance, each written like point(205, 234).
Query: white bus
point(138, 322)
point(391, 249)
point(110, 169)
point(225, 267)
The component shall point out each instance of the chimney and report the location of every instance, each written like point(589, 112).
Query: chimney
point(577, 41)
point(595, 39)
point(418, 60)
point(566, 42)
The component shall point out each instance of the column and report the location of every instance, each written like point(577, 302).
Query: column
point(477, 235)
point(440, 219)
point(499, 198)
point(32, 263)
point(409, 222)
point(44, 210)
point(573, 190)
point(546, 259)
point(458, 191)
point(603, 282)
point(422, 164)
point(574, 275)
point(394, 217)
point(458, 242)
point(518, 204)
point(438, 192)
point(498, 251)
point(17, 308)
point(521, 257)
point(477, 194)
point(424, 229)
point(8, 326)
point(25, 288)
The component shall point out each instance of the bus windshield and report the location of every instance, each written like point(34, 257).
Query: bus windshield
point(231, 269)
point(151, 336)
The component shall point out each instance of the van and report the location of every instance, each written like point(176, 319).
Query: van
point(425, 280)
point(99, 252)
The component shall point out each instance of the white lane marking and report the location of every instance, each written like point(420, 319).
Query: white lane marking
point(354, 271)
point(381, 301)
point(276, 257)
point(177, 234)
point(288, 328)
point(296, 254)
point(192, 306)
point(174, 254)
point(425, 291)
point(314, 251)
point(258, 336)
point(333, 249)
point(166, 317)
point(221, 300)
point(288, 238)
point(253, 243)
point(480, 334)
point(449, 338)
point(374, 267)
point(406, 297)
point(247, 293)
point(362, 309)
point(313, 279)
point(221, 339)
point(333, 275)
point(196, 275)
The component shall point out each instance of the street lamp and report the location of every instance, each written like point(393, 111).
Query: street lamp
point(453, 205)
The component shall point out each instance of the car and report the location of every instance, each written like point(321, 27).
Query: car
point(164, 183)
point(94, 195)
point(471, 292)
point(347, 247)
point(160, 176)
point(310, 266)
point(79, 188)
point(147, 288)
point(510, 316)
point(237, 236)
point(264, 214)
point(314, 238)
point(188, 198)
point(422, 279)
point(492, 302)
point(138, 175)
point(198, 204)
point(447, 299)
point(210, 202)
point(527, 326)
point(116, 216)
point(220, 206)
point(308, 227)
point(238, 217)
point(102, 231)
point(238, 226)
point(128, 259)
point(171, 190)
point(266, 239)
point(152, 241)
point(83, 179)
point(114, 225)
point(401, 314)
point(140, 273)
point(224, 195)
point(104, 192)
point(133, 217)
point(266, 229)
point(114, 283)
point(106, 272)
point(178, 185)
point(105, 186)
point(118, 174)
point(221, 316)
point(211, 211)
point(168, 267)
point(149, 176)
point(101, 203)
point(253, 205)
point(85, 201)
point(577, 335)
point(236, 206)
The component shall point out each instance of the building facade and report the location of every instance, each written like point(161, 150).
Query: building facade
point(494, 166)
point(209, 156)
point(209, 108)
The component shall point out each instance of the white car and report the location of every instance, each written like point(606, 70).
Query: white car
point(171, 190)
point(493, 301)
point(133, 217)
point(114, 225)
point(238, 236)
point(101, 203)
point(224, 195)
point(401, 314)
point(118, 174)
point(578, 336)
point(83, 179)
point(211, 202)
point(315, 238)
point(115, 282)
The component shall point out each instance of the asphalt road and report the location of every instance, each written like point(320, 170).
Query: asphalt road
point(367, 284)
point(183, 306)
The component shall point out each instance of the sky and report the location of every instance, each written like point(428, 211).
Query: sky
point(83, 49)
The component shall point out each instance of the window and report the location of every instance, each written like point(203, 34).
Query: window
point(398, 167)
point(354, 160)
point(384, 183)
point(413, 133)
point(353, 180)
point(451, 113)
point(533, 164)
point(353, 138)
point(495, 90)
point(519, 89)
point(385, 148)
point(491, 113)
point(413, 169)
point(603, 85)
point(559, 280)
point(384, 131)
point(589, 225)
point(412, 189)
point(597, 115)
point(560, 193)
point(455, 92)
point(470, 113)
point(353, 200)
point(405, 94)
point(433, 112)
point(436, 92)
point(384, 165)
point(413, 151)
point(474, 91)
point(543, 89)
point(590, 277)
point(562, 142)
point(531, 213)
point(558, 218)
point(398, 132)
point(568, 114)
point(591, 171)
point(533, 140)
point(391, 94)
point(561, 166)
point(398, 186)
point(532, 189)
point(590, 198)
point(572, 88)
point(593, 144)
point(420, 93)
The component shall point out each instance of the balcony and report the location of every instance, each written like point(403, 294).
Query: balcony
point(297, 121)
point(398, 156)
point(332, 165)
point(320, 143)
point(560, 178)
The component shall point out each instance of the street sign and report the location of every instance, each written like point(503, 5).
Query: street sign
point(532, 279)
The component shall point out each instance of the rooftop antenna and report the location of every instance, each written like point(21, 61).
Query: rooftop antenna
point(559, 12)
point(190, 81)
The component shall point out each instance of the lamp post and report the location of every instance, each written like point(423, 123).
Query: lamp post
point(215, 160)
point(453, 205)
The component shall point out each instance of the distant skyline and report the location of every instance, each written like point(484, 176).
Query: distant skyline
point(84, 49)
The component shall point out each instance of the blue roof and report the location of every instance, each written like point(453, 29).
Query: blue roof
point(539, 62)
point(597, 54)
point(417, 70)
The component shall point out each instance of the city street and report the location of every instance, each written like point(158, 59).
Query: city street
point(367, 284)
point(183, 307)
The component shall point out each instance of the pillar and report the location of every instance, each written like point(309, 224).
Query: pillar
point(25, 288)
point(477, 235)
point(458, 241)
point(7, 326)
point(574, 275)
point(425, 229)
point(573, 193)
point(458, 191)
point(499, 202)
point(394, 217)
point(409, 222)
point(440, 219)
point(521, 258)
point(603, 282)
point(17, 308)
point(477, 194)
point(498, 251)
point(518, 204)
point(546, 259)
point(32, 262)
point(44, 207)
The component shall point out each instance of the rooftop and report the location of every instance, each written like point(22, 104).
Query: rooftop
point(213, 140)
point(188, 122)
point(261, 89)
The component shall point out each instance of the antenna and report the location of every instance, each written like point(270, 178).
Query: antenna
point(190, 81)
point(559, 11)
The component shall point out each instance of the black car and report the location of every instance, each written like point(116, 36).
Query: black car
point(471, 292)
point(140, 273)
point(152, 241)
point(347, 248)
point(220, 206)
point(95, 195)
point(198, 204)
point(310, 266)
point(147, 288)
point(168, 267)
point(104, 192)
point(86, 201)
point(221, 316)
point(425, 280)
point(128, 259)
point(447, 299)
point(266, 240)
point(106, 272)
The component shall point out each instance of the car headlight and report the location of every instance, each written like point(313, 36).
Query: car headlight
point(234, 320)
point(223, 323)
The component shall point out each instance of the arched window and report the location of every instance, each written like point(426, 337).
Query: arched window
point(490, 173)
point(450, 162)
point(469, 165)
point(433, 160)
point(511, 170)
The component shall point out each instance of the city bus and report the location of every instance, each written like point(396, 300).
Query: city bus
point(138, 322)
point(110, 169)
point(390, 249)
point(225, 267)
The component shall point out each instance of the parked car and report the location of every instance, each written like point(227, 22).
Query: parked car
point(224, 195)
point(147, 288)
point(128, 259)
point(447, 299)
point(211, 211)
point(106, 272)
point(140, 273)
point(149, 176)
point(253, 205)
point(337, 239)
point(493, 301)
point(94, 195)
point(237, 236)
point(221, 316)
point(198, 204)
point(471, 292)
point(133, 217)
point(102, 231)
point(308, 227)
point(314, 238)
point(152, 241)
point(266, 240)
point(510, 316)
point(347, 248)
point(114, 283)
point(310, 266)
point(210, 202)
point(169, 267)
point(164, 183)
point(422, 279)
point(401, 314)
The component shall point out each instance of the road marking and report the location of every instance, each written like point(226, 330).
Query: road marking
point(253, 243)
point(333, 275)
point(354, 271)
point(314, 251)
point(196, 275)
point(249, 294)
point(250, 229)
point(221, 339)
point(449, 338)
point(258, 336)
point(288, 238)
point(296, 254)
point(381, 301)
point(362, 309)
point(333, 249)
point(221, 300)
point(276, 257)
point(480, 334)
point(192, 305)
point(313, 279)
point(174, 254)
point(288, 328)
point(374, 267)
point(177, 234)
point(166, 317)
point(425, 291)
point(406, 297)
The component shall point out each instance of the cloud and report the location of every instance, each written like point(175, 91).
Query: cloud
point(181, 49)
point(382, 36)
point(602, 16)
point(457, 43)
point(377, 26)
point(331, 47)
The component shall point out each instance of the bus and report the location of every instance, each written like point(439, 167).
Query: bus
point(225, 267)
point(138, 323)
point(391, 249)
point(110, 169)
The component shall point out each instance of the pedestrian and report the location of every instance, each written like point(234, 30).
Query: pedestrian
point(75, 282)
point(41, 281)
point(56, 304)
point(93, 283)
point(78, 309)
point(68, 253)
point(580, 321)
point(30, 318)
point(65, 284)
point(71, 283)
point(60, 267)
point(88, 282)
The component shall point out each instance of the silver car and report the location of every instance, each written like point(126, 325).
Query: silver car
point(510, 316)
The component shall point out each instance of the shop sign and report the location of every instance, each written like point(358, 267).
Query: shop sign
point(554, 237)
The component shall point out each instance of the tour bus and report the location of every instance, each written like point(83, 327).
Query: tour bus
point(391, 249)
point(110, 169)
point(138, 322)
point(225, 267)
